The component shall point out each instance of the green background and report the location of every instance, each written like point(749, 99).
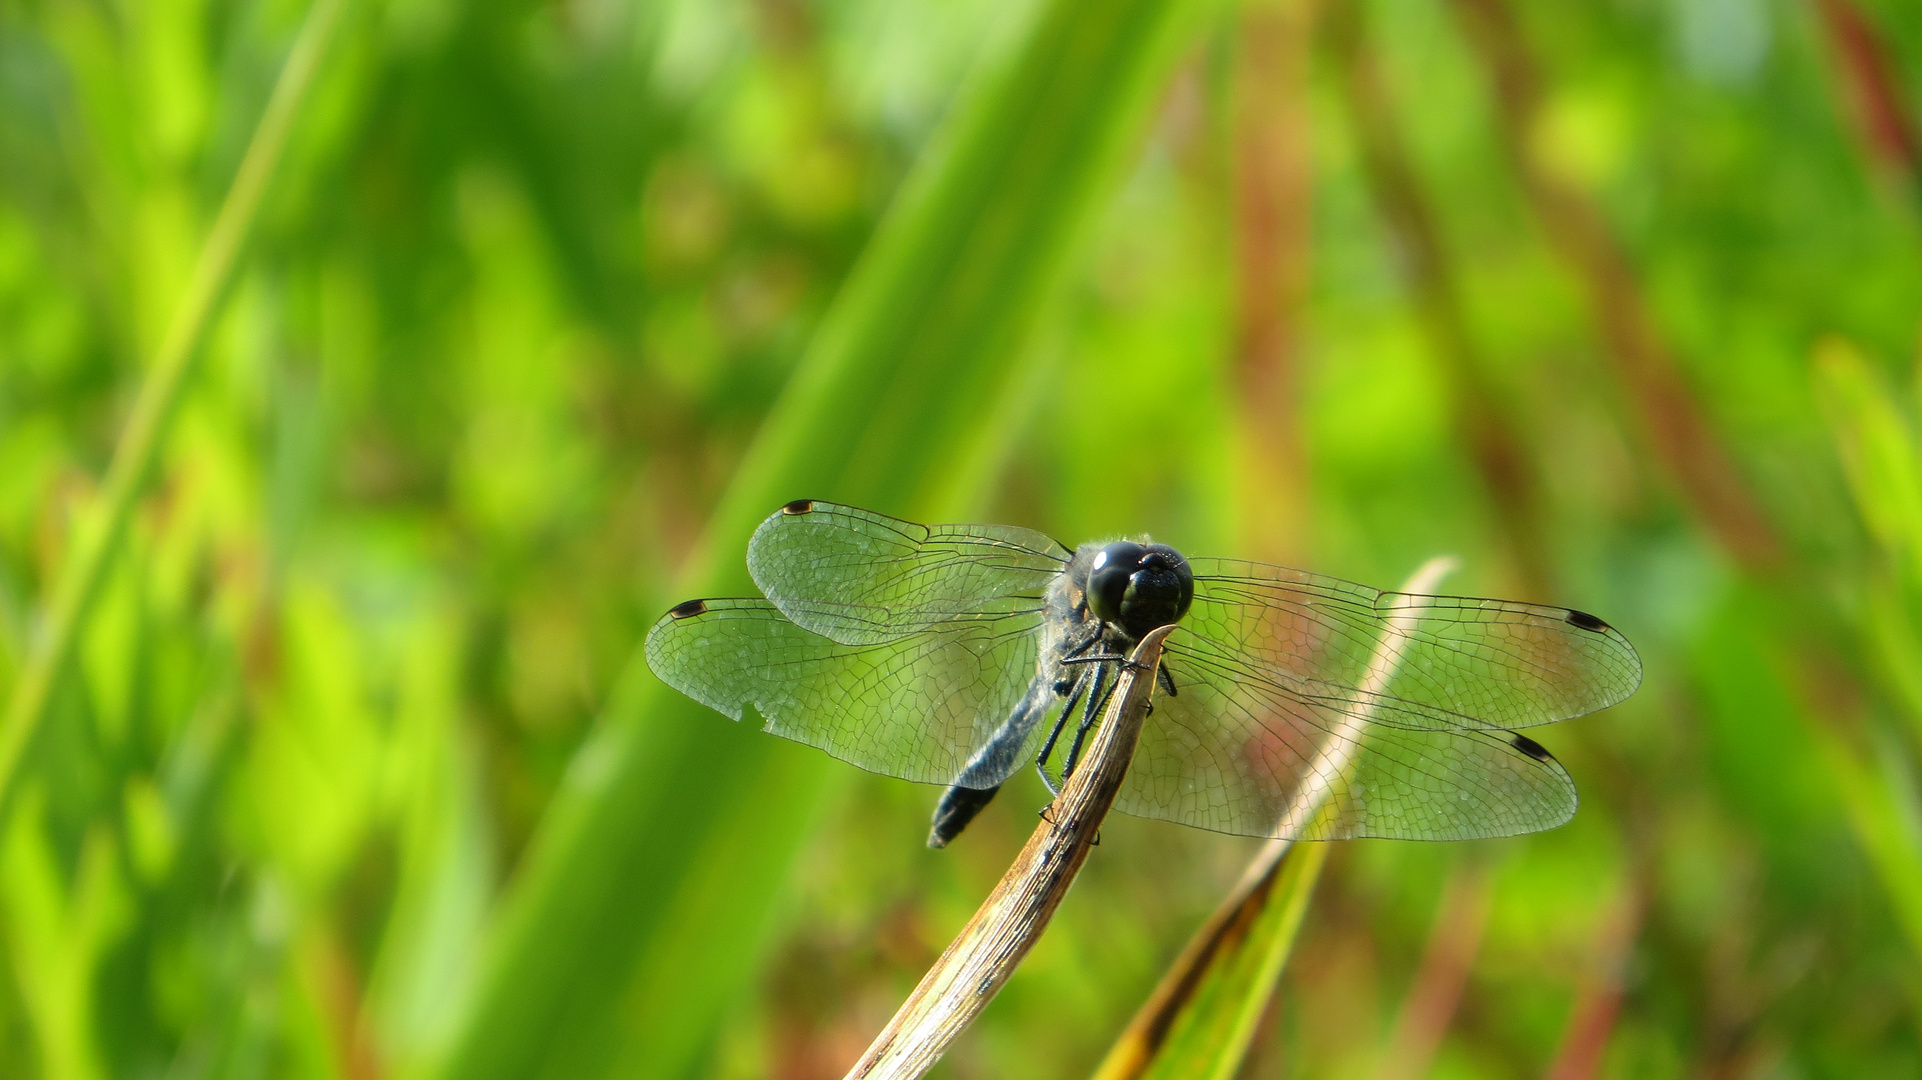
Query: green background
point(355, 772)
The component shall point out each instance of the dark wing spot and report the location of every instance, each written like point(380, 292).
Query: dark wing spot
point(1586, 621)
point(688, 609)
point(1530, 747)
point(799, 506)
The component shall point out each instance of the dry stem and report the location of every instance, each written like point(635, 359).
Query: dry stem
point(1598, 1000)
point(1873, 91)
point(1679, 431)
point(1483, 421)
point(1273, 174)
point(1011, 919)
point(1429, 1008)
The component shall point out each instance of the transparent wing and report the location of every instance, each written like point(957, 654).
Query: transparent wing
point(919, 706)
point(1462, 664)
point(862, 578)
point(1298, 711)
point(1237, 755)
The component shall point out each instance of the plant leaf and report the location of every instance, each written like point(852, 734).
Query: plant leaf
point(651, 887)
point(1199, 1022)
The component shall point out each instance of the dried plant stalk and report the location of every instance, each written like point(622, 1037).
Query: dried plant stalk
point(1011, 919)
point(1436, 992)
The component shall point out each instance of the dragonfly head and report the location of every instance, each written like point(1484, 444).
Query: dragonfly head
point(1138, 587)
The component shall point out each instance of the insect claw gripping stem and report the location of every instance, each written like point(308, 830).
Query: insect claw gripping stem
point(1046, 781)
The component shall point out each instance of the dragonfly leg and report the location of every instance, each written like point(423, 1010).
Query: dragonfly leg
point(1098, 658)
point(1046, 782)
point(1097, 701)
point(1167, 680)
point(1047, 746)
point(1094, 635)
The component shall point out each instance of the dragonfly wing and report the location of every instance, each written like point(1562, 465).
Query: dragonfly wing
point(863, 578)
point(920, 706)
point(1461, 663)
point(1240, 756)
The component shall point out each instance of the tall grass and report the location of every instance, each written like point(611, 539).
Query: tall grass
point(349, 769)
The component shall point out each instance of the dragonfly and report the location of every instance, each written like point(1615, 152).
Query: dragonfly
point(954, 654)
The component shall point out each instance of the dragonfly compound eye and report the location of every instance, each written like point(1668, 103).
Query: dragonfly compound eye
point(1138, 587)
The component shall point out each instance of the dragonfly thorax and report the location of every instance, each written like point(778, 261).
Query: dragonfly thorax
point(1137, 587)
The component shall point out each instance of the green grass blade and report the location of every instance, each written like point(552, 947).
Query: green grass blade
point(1877, 449)
point(645, 899)
point(81, 574)
point(1199, 1022)
point(1873, 776)
point(1880, 800)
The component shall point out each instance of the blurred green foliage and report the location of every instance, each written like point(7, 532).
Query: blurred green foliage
point(354, 774)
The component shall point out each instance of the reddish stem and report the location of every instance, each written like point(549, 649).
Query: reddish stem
point(1878, 108)
point(1432, 999)
point(1273, 175)
point(1681, 434)
point(1599, 1000)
